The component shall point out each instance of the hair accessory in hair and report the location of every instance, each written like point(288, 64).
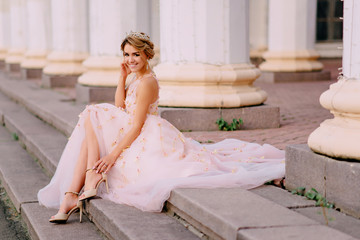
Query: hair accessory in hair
point(142, 36)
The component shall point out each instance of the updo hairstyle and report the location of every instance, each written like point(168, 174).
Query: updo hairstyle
point(140, 41)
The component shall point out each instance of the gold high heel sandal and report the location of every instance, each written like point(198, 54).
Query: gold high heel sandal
point(63, 217)
point(93, 192)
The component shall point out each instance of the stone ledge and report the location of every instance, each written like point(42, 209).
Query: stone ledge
point(204, 119)
point(337, 180)
point(279, 77)
point(12, 67)
point(28, 73)
point(93, 94)
point(51, 81)
point(2, 65)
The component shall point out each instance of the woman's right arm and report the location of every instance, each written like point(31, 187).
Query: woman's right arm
point(120, 93)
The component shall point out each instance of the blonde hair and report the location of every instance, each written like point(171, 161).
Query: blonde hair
point(140, 43)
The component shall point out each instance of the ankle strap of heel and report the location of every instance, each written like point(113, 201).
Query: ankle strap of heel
point(75, 193)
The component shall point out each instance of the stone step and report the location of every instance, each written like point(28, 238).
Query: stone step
point(335, 219)
point(113, 219)
point(54, 108)
point(240, 214)
point(22, 178)
point(34, 134)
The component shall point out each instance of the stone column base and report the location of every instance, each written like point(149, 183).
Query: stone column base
point(339, 137)
point(65, 63)
point(204, 119)
point(94, 94)
point(205, 85)
point(51, 81)
point(337, 180)
point(103, 71)
point(278, 77)
point(27, 73)
point(291, 61)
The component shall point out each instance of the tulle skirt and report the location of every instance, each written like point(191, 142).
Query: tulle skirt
point(161, 159)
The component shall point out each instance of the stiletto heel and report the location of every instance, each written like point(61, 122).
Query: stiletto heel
point(106, 182)
point(80, 205)
point(93, 192)
point(63, 217)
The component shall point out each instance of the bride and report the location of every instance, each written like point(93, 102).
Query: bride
point(140, 156)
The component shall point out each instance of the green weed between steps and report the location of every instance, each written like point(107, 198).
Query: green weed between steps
point(15, 136)
point(313, 194)
point(225, 126)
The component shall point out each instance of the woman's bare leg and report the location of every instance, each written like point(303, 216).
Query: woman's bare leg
point(70, 200)
point(93, 154)
point(89, 154)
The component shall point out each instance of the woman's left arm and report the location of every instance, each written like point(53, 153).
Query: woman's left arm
point(147, 91)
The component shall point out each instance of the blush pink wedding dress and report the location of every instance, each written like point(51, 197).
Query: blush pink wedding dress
point(160, 159)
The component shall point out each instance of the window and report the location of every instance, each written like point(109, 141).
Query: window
point(329, 26)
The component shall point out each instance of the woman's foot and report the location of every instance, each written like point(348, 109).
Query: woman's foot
point(70, 201)
point(92, 178)
point(280, 183)
point(91, 181)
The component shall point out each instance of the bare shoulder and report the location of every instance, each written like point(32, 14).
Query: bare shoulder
point(149, 83)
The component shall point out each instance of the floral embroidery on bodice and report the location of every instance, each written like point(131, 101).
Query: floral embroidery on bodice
point(130, 101)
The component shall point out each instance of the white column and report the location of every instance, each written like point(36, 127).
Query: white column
point(109, 22)
point(17, 32)
point(291, 37)
point(340, 136)
point(205, 54)
point(39, 37)
point(155, 30)
point(258, 27)
point(69, 38)
point(4, 29)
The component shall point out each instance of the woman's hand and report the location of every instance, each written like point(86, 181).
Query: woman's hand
point(105, 164)
point(124, 69)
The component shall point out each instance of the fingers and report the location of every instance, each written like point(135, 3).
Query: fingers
point(102, 166)
point(96, 166)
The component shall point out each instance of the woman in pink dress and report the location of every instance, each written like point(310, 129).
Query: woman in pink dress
point(140, 156)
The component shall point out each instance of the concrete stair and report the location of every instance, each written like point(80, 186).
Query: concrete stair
point(266, 212)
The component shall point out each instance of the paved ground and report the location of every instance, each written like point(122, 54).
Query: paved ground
point(11, 227)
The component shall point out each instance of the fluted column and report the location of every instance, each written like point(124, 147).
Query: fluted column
point(258, 27)
point(155, 30)
point(291, 37)
point(39, 37)
point(109, 24)
point(339, 137)
point(69, 43)
point(4, 30)
point(17, 48)
point(205, 56)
